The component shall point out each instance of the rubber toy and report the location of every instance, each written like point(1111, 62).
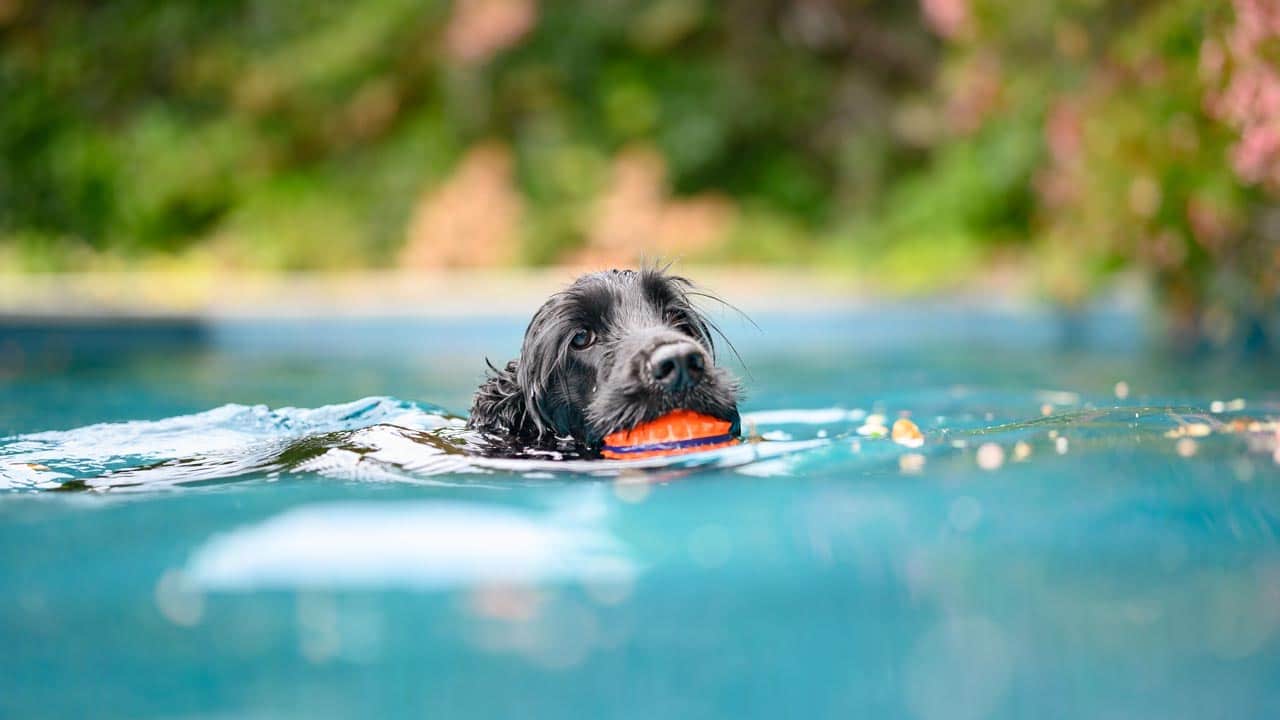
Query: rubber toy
point(676, 433)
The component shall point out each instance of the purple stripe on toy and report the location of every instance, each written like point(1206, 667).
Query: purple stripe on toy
point(673, 445)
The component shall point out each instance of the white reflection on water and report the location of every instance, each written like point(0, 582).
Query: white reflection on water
point(416, 545)
point(959, 670)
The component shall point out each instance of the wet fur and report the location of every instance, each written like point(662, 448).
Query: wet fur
point(553, 396)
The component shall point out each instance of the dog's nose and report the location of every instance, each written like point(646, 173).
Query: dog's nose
point(678, 366)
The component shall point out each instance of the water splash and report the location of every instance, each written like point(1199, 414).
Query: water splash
point(374, 439)
point(384, 439)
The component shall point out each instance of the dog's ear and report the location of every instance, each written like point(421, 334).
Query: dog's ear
point(499, 405)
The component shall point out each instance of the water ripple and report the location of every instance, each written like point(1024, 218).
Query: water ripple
point(384, 439)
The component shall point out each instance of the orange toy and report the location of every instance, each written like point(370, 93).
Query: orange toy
point(676, 433)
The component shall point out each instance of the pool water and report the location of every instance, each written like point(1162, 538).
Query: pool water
point(253, 518)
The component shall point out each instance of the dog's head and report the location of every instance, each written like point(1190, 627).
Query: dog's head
point(613, 350)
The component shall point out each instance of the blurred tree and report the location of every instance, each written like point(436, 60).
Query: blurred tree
point(914, 144)
point(1103, 132)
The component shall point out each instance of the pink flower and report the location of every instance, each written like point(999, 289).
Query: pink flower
point(1244, 89)
point(1064, 132)
point(1256, 158)
point(949, 18)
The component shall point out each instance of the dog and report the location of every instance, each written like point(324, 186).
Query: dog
point(613, 350)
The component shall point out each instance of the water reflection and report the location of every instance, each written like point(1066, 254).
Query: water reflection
point(415, 545)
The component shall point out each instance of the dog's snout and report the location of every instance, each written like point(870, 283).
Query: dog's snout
point(677, 366)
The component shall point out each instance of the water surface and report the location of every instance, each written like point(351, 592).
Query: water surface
point(279, 519)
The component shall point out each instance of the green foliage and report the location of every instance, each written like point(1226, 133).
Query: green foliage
point(1071, 134)
point(139, 129)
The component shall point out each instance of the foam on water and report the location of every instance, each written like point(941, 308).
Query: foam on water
point(384, 439)
point(375, 439)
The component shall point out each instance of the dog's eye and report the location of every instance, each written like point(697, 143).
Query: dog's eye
point(582, 339)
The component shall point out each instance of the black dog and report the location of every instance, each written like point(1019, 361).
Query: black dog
point(613, 350)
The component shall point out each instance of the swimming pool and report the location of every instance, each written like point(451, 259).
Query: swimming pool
point(1089, 530)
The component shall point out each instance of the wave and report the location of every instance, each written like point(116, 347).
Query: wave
point(384, 439)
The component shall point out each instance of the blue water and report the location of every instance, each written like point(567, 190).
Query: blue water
point(273, 519)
